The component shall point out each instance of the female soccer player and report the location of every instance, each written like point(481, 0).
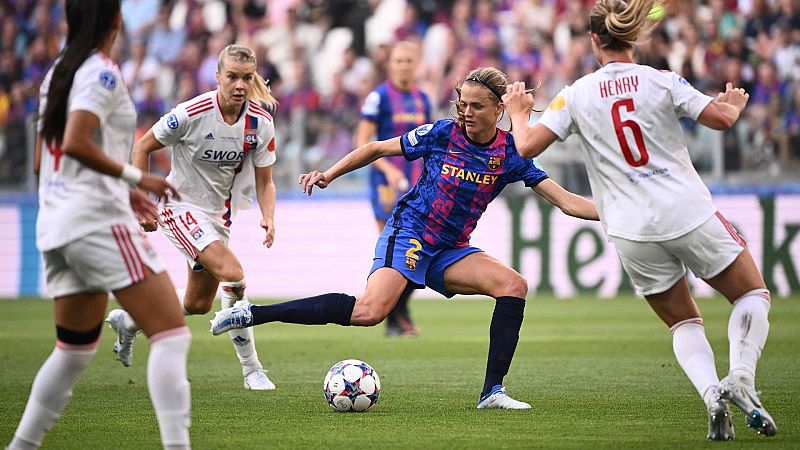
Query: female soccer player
point(218, 139)
point(468, 161)
point(395, 107)
point(87, 230)
point(653, 205)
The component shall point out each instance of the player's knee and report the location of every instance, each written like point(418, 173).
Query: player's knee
point(367, 317)
point(231, 273)
point(197, 307)
point(516, 286)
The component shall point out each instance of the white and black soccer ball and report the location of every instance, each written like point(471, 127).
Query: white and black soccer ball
point(352, 385)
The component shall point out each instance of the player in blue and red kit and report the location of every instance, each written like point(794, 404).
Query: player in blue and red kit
point(467, 162)
point(394, 108)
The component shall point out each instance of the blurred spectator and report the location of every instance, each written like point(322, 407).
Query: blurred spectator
point(139, 17)
point(141, 67)
point(165, 43)
point(170, 48)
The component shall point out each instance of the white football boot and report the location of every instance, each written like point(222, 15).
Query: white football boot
point(741, 393)
point(497, 398)
point(720, 427)
point(257, 380)
point(239, 316)
point(123, 347)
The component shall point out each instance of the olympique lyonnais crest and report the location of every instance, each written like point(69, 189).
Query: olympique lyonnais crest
point(250, 137)
point(494, 162)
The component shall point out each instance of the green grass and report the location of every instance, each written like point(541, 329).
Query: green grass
point(599, 374)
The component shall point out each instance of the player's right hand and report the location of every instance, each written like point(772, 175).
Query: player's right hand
point(311, 179)
point(517, 99)
point(158, 186)
point(144, 209)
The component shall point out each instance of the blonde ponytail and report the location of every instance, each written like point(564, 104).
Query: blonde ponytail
point(619, 24)
point(261, 93)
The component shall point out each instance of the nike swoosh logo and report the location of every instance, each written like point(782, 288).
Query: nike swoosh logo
point(455, 153)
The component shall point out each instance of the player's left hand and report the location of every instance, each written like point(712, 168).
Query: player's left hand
point(144, 209)
point(269, 228)
point(517, 99)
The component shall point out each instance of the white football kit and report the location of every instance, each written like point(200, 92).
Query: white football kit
point(642, 179)
point(86, 230)
point(212, 168)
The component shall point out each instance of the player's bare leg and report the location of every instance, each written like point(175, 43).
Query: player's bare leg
point(225, 267)
point(677, 309)
point(479, 273)
point(748, 326)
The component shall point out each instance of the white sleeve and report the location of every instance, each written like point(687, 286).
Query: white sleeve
point(93, 89)
point(264, 155)
point(172, 127)
point(688, 101)
point(557, 116)
point(371, 104)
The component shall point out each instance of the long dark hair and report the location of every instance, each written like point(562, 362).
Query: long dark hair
point(88, 24)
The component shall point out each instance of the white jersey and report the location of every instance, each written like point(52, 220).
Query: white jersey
point(75, 200)
point(626, 117)
point(212, 162)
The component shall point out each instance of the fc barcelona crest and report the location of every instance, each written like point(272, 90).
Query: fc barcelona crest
point(411, 263)
point(494, 162)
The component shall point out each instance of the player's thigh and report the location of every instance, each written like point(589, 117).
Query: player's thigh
point(675, 304)
point(717, 253)
point(479, 273)
point(201, 289)
point(218, 259)
point(80, 312)
point(651, 268)
point(153, 303)
point(384, 287)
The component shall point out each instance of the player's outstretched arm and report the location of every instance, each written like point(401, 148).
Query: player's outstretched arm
point(356, 159)
point(571, 204)
point(265, 193)
point(529, 140)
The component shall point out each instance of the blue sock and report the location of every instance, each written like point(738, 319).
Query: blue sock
point(319, 310)
point(503, 338)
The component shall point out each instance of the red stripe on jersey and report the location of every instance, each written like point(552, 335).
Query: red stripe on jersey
point(176, 232)
point(731, 230)
point(204, 102)
point(123, 249)
point(260, 111)
point(134, 252)
point(271, 145)
point(198, 111)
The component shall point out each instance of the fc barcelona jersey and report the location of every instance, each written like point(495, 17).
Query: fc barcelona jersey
point(459, 179)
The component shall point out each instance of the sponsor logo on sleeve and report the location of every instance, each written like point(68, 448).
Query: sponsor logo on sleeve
point(418, 132)
point(108, 80)
point(172, 121)
point(558, 103)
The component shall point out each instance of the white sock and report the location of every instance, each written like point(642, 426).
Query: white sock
point(694, 355)
point(50, 392)
point(169, 386)
point(748, 327)
point(243, 339)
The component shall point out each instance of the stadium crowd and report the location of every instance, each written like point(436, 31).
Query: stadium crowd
point(323, 57)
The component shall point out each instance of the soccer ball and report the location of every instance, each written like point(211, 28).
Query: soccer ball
point(352, 385)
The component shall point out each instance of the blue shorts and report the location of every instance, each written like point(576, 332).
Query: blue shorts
point(422, 264)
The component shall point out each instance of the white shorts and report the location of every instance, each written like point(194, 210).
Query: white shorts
point(655, 267)
point(103, 261)
point(191, 230)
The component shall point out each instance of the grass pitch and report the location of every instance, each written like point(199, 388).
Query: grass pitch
point(599, 374)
